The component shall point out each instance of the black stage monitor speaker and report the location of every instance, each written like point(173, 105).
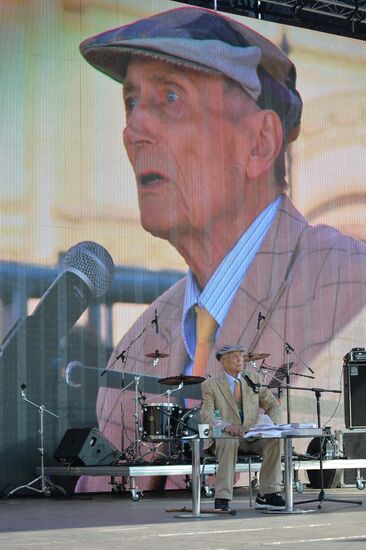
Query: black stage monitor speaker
point(86, 447)
point(354, 380)
point(353, 446)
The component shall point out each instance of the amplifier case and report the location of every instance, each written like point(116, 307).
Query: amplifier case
point(354, 382)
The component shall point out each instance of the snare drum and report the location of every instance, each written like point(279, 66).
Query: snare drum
point(159, 421)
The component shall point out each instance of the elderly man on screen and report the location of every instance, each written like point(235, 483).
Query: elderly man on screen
point(239, 403)
point(210, 109)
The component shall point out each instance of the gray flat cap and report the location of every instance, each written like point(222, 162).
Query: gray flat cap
point(205, 40)
point(228, 349)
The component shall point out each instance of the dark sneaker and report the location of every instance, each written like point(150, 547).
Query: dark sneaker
point(272, 501)
point(222, 504)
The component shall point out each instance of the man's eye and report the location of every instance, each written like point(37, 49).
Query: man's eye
point(130, 103)
point(171, 96)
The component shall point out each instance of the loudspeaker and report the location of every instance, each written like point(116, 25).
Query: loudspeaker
point(86, 447)
point(353, 445)
point(354, 381)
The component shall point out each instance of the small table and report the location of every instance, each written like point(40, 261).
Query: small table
point(288, 472)
point(288, 466)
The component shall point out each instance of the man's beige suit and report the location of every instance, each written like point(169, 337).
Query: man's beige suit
point(217, 394)
point(310, 284)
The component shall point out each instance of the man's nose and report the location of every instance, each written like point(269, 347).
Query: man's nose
point(140, 128)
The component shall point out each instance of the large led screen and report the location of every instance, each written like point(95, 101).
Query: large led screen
point(164, 175)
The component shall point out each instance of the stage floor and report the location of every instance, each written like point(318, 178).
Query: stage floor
point(109, 521)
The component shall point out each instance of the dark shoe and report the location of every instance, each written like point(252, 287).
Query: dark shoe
point(272, 501)
point(222, 504)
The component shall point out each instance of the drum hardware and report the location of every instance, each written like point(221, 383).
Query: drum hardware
point(123, 355)
point(134, 452)
point(47, 486)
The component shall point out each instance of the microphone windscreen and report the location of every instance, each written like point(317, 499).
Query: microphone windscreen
point(92, 261)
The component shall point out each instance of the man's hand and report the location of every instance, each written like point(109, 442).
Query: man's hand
point(234, 429)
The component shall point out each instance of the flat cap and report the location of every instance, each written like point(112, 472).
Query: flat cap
point(228, 349)
point(205, 40)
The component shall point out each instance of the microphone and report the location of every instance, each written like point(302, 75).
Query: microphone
point(22, 387)
point(250, 383)
point(155, 321)
point(259, 319)
point(88, 273)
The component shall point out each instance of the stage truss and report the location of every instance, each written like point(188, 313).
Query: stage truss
point(346, 18)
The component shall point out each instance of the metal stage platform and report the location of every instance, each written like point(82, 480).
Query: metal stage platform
point(130, 472)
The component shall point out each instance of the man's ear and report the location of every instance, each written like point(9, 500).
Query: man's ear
point(267, 144)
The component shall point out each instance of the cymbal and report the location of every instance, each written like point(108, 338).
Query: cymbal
point(156, 354)
point(255, 356)
point(176, 380)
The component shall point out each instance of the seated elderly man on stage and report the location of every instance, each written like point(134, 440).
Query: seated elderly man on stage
point(239, 401)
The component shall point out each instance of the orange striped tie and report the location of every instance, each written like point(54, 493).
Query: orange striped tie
point(206, 327)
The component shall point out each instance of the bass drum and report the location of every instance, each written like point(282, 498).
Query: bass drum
point(188, 429)
point(160, 421)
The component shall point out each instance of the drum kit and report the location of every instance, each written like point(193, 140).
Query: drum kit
point(162, 426)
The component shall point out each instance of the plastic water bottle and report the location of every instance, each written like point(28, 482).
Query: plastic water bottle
point(329, 450)
point(337, 451)
point(217, 423)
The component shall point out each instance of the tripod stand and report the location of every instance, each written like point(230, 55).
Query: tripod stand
point(47, 486)
point(322, 497)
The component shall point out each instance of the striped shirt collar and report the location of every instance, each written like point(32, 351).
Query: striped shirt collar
point(219, 292)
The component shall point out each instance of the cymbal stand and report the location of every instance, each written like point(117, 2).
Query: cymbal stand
point(322, 497)
point(288, 349)
point(167, 393)
point(123, 356)
point(135, 448)
point(47, 486)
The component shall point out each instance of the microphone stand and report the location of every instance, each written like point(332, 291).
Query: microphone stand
point(288, 349)
point(322, 497)
point(124, 353)
point(47, 486)
point(288, 453)
point(281, 371)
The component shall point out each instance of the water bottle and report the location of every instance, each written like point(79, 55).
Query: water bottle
point(337, 451)
point(217, 423)
point(329, 450)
